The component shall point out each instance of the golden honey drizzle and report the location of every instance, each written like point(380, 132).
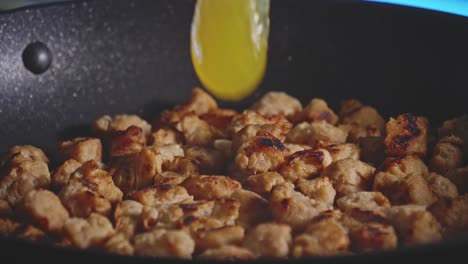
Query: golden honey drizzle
point(229, 43)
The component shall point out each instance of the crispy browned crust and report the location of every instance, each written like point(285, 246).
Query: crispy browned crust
point(208, 187)
point(81, 149)
point(127, 142)
point(317, 110)
point(406, 135)
point(219, 119)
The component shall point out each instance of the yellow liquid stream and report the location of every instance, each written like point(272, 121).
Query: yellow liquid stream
point(229, 43)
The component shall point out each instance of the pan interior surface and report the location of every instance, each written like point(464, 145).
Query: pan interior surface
point(134, 57)
point(129, 56)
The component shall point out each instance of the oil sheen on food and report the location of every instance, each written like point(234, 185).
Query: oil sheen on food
point(229, 43)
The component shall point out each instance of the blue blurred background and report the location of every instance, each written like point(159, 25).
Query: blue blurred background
point(459, 7)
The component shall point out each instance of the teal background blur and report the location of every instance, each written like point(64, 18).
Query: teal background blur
point(459, 7)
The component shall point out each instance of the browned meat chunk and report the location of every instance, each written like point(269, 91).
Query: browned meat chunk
point(406, 135)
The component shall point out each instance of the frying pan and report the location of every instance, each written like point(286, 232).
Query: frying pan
point(129, 56)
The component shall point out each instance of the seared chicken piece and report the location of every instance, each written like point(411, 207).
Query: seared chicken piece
point(412, 189)
point(18, 154)
point(406, 135)
point(394, 169)
point(135, 171)
point(404, 166)
point(168, 153)
point(219, 120)
point(293, 148)
point(414, 224)
point(323, 237)
point(447, 155)
point(320, 189)
point(364, 120)
point(206, 215)
point(61, 175)
point(90, 189)
point(127, 217)
point(343, 151)
point(373, 236)
point(263, 183)
point(127, 142)
point(165, 216)
point(441, 186)
point(211, 186)
point(293, 208)
point(322, 132)
point(356, 132)
point(98, 180)
point(366, 203)
point(90, 232)
point(182, 166)
point(369, 229)
point(81, 149)
point(165, 136)
point(150, 216)
point(300, 133)
point(164, 243)
point(229, 235)
point(20, 179)
point(200, 103)
point(349, 176)
point(249, 117)
point(279, 130)
point(277, 103)
point(164, 194)
point(305, 164)
point(259, 154)
point(209, 160)
point(317, 110)
point(44, 208)
point(452, 213)
point(81, 201)
point(253, 208)
point(457, 127)
point(269, 240)
point(196, 131)
point(107, 125)
point(118, 244)
point(168, 178)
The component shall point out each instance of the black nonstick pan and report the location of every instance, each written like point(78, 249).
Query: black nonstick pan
point(132, 56)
